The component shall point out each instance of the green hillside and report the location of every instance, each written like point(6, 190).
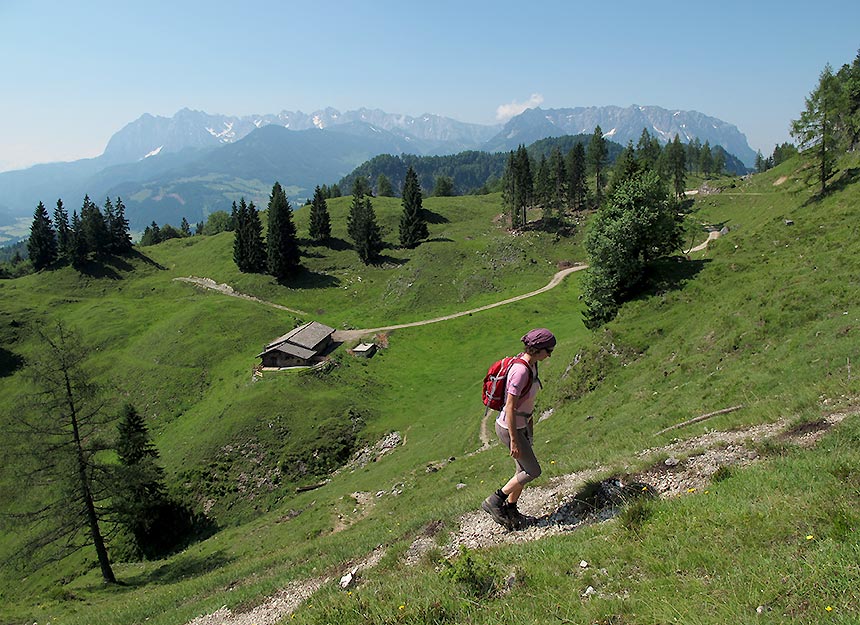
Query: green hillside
point(765, 319)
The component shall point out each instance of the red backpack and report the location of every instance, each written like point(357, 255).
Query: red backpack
point(496, 382)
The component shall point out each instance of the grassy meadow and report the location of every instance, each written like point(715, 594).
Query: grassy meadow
point(766, 318)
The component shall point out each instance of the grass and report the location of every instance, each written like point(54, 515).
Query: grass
point(750, 321)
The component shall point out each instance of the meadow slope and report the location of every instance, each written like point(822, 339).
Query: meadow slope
point(764, 318)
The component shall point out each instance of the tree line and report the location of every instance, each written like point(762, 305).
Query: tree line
point(278, 254)
point(90, 234)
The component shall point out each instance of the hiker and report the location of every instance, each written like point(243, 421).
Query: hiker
point(515, 427)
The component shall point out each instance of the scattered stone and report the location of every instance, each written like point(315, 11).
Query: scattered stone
point(588, 592)
point(583, 564)
point(347, 580)
point(460, 485)
point(671, 461)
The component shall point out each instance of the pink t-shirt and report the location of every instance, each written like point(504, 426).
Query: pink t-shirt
point(518, 378)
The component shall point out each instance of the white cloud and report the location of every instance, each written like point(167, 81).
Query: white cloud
point(505, 111)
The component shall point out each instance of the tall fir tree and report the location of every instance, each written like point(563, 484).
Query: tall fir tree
point(78, 249)
point(42, 244)
point(64, 235)
point(647, 151)
point(320, 221)
point(256, 245)
point(110, 223)
point(361, 224)
point(120, 235)
point(95, 229)
point(577, 177)
point(597, 158)
point(676, 158)
point(558, 181)
point(239, 217)
point(283, 248)
point(413, 224)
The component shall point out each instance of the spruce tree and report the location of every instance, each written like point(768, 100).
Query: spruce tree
point(256, 246)
point(185, 227)
point(239, 217)
point(597, 155)
point(320, 221)
point(282, 243)
point(413, 225)
point(120, 235)
point(110, 224)
point(361, 225)
point(676, 157)
point(577, 177)
point(558, 183)
point(94, 227)
point(42, 244)
point(64, 235)
point(78, 249)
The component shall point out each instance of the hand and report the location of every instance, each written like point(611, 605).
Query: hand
point(515, 449)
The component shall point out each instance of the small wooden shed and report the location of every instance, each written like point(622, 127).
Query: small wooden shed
point(301, 346)
point(365, 350)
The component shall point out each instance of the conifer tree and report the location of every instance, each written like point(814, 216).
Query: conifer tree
point(383, 186)
point(320, 221)
point(647, 151)
point(141, 495)
point(185, 227)
point(413, 225)
point(558, 182)
point(256, 246)
point(42, 244)
point(283, 248)
point(597, 156)
point(815, 130)
point(94, 227)
point(361, 224)
point(577, 176)
point(239, 216)
point(543, 184)
point(64, 235)
point(677, 161)
point(625, 166)
point(120, 235)
point(151, 235)
point(110, 223)
point(78, 249)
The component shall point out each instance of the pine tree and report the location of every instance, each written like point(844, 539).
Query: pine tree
point(558, 181)
point(706, 159)
point(283, 248)
point(543, 184)
point(64, 235)
point(413, 225)
point(597, 155)
point(320, 222)
point(185, 227)
point(647, 151)
point(577, 177)
point(42, 244)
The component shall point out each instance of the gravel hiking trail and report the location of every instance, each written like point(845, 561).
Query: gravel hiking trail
point(680, 468)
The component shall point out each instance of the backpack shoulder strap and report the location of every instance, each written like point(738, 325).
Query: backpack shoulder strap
point(528, 385)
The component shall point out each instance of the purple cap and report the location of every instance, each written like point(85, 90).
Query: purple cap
point(539, 338)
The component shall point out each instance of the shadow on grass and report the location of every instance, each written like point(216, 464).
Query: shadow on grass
point(848, 177)
point(305, 279)
point(10, 362)
point(432, 217)
point(668, 274)
point(181, 567)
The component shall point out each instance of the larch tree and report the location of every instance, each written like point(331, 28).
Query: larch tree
point(815, 130)
point(62, 427)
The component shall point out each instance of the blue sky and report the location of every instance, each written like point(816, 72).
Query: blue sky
point(73, 73)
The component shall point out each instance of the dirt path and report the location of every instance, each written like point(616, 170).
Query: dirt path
point(226, 289)
point(687, 471)
point(352, 335)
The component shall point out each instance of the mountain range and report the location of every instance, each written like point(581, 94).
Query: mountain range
point(194, 163)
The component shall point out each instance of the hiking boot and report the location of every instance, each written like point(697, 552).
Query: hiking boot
point(516, 520)
point(494, 506)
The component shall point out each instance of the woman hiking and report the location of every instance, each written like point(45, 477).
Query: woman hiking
point(515, 427)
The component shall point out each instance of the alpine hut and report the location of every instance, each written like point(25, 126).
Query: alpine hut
point(301, 346)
